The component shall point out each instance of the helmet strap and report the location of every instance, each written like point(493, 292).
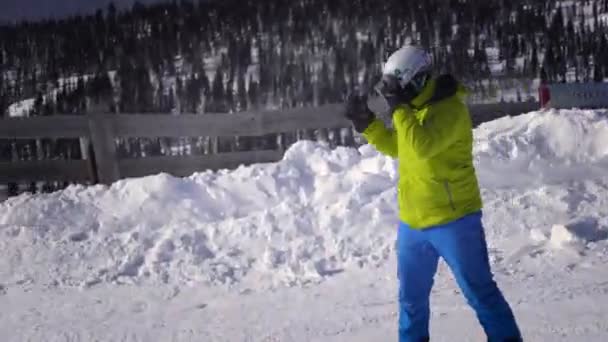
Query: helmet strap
point(419, 81)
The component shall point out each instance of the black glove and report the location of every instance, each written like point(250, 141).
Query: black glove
point(357, 111)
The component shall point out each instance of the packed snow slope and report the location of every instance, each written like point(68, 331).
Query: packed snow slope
point(218, 256)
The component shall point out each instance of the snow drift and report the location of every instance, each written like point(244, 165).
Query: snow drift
point(290, 222)
point(543, 147)
point(316, 213)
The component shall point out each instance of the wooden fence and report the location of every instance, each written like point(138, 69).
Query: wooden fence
point(99, 132)
point(574, 95)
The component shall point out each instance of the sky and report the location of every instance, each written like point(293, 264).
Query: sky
point(16, 10)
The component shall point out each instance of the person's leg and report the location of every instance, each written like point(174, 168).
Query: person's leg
point(416, 265)
point(463, 246)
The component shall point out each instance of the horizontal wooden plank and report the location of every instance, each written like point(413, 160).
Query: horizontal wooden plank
point(182, 166)
point(238, 124)
point(507, 108)
point(578, 95)
point(40, 170)
point(481, 113)
point(57, 126)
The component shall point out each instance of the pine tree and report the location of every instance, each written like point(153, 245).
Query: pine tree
point(217, 93)
point(241, 92)
point(534, 61)
point(253, 93)
point(598, 69)
point(229, 97)
point(3, 105)
point(38, 105)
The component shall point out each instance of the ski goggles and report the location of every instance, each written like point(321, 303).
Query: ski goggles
point(388, 86)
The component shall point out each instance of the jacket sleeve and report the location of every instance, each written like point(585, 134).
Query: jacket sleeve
point(441, 128)
point(382, 138)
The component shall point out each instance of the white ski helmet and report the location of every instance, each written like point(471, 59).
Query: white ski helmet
point(406, 64)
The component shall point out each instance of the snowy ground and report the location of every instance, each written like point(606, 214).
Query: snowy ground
point(302, 250)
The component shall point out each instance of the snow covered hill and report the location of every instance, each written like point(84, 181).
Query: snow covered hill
point(221, 256)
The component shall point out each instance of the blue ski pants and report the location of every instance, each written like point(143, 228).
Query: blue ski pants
point(462, 245)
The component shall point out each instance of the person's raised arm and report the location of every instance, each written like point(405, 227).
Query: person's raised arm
point(373, 129)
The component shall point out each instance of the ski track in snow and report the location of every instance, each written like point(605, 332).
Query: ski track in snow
point(303, 249)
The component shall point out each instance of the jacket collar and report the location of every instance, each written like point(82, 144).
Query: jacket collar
point(425, 95)
point(438, 89)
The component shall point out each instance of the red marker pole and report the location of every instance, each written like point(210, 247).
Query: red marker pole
point(544, 95)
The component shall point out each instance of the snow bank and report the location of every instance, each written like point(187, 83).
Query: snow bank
point(313, 214)
point(542, 147)
point(21, 108)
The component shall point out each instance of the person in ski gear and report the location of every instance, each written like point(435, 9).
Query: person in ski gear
point(438, 193)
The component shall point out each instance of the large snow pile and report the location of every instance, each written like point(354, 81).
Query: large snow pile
point(316, 213)
point(311, 215)
point(543, 147)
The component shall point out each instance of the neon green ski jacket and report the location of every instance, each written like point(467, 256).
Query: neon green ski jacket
point(433, 140)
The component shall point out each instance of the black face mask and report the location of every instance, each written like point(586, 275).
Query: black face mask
point(393, 93)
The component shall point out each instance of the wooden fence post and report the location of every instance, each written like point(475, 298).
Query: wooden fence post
point(105, 162)
point(3, 193)
point(84, 147)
